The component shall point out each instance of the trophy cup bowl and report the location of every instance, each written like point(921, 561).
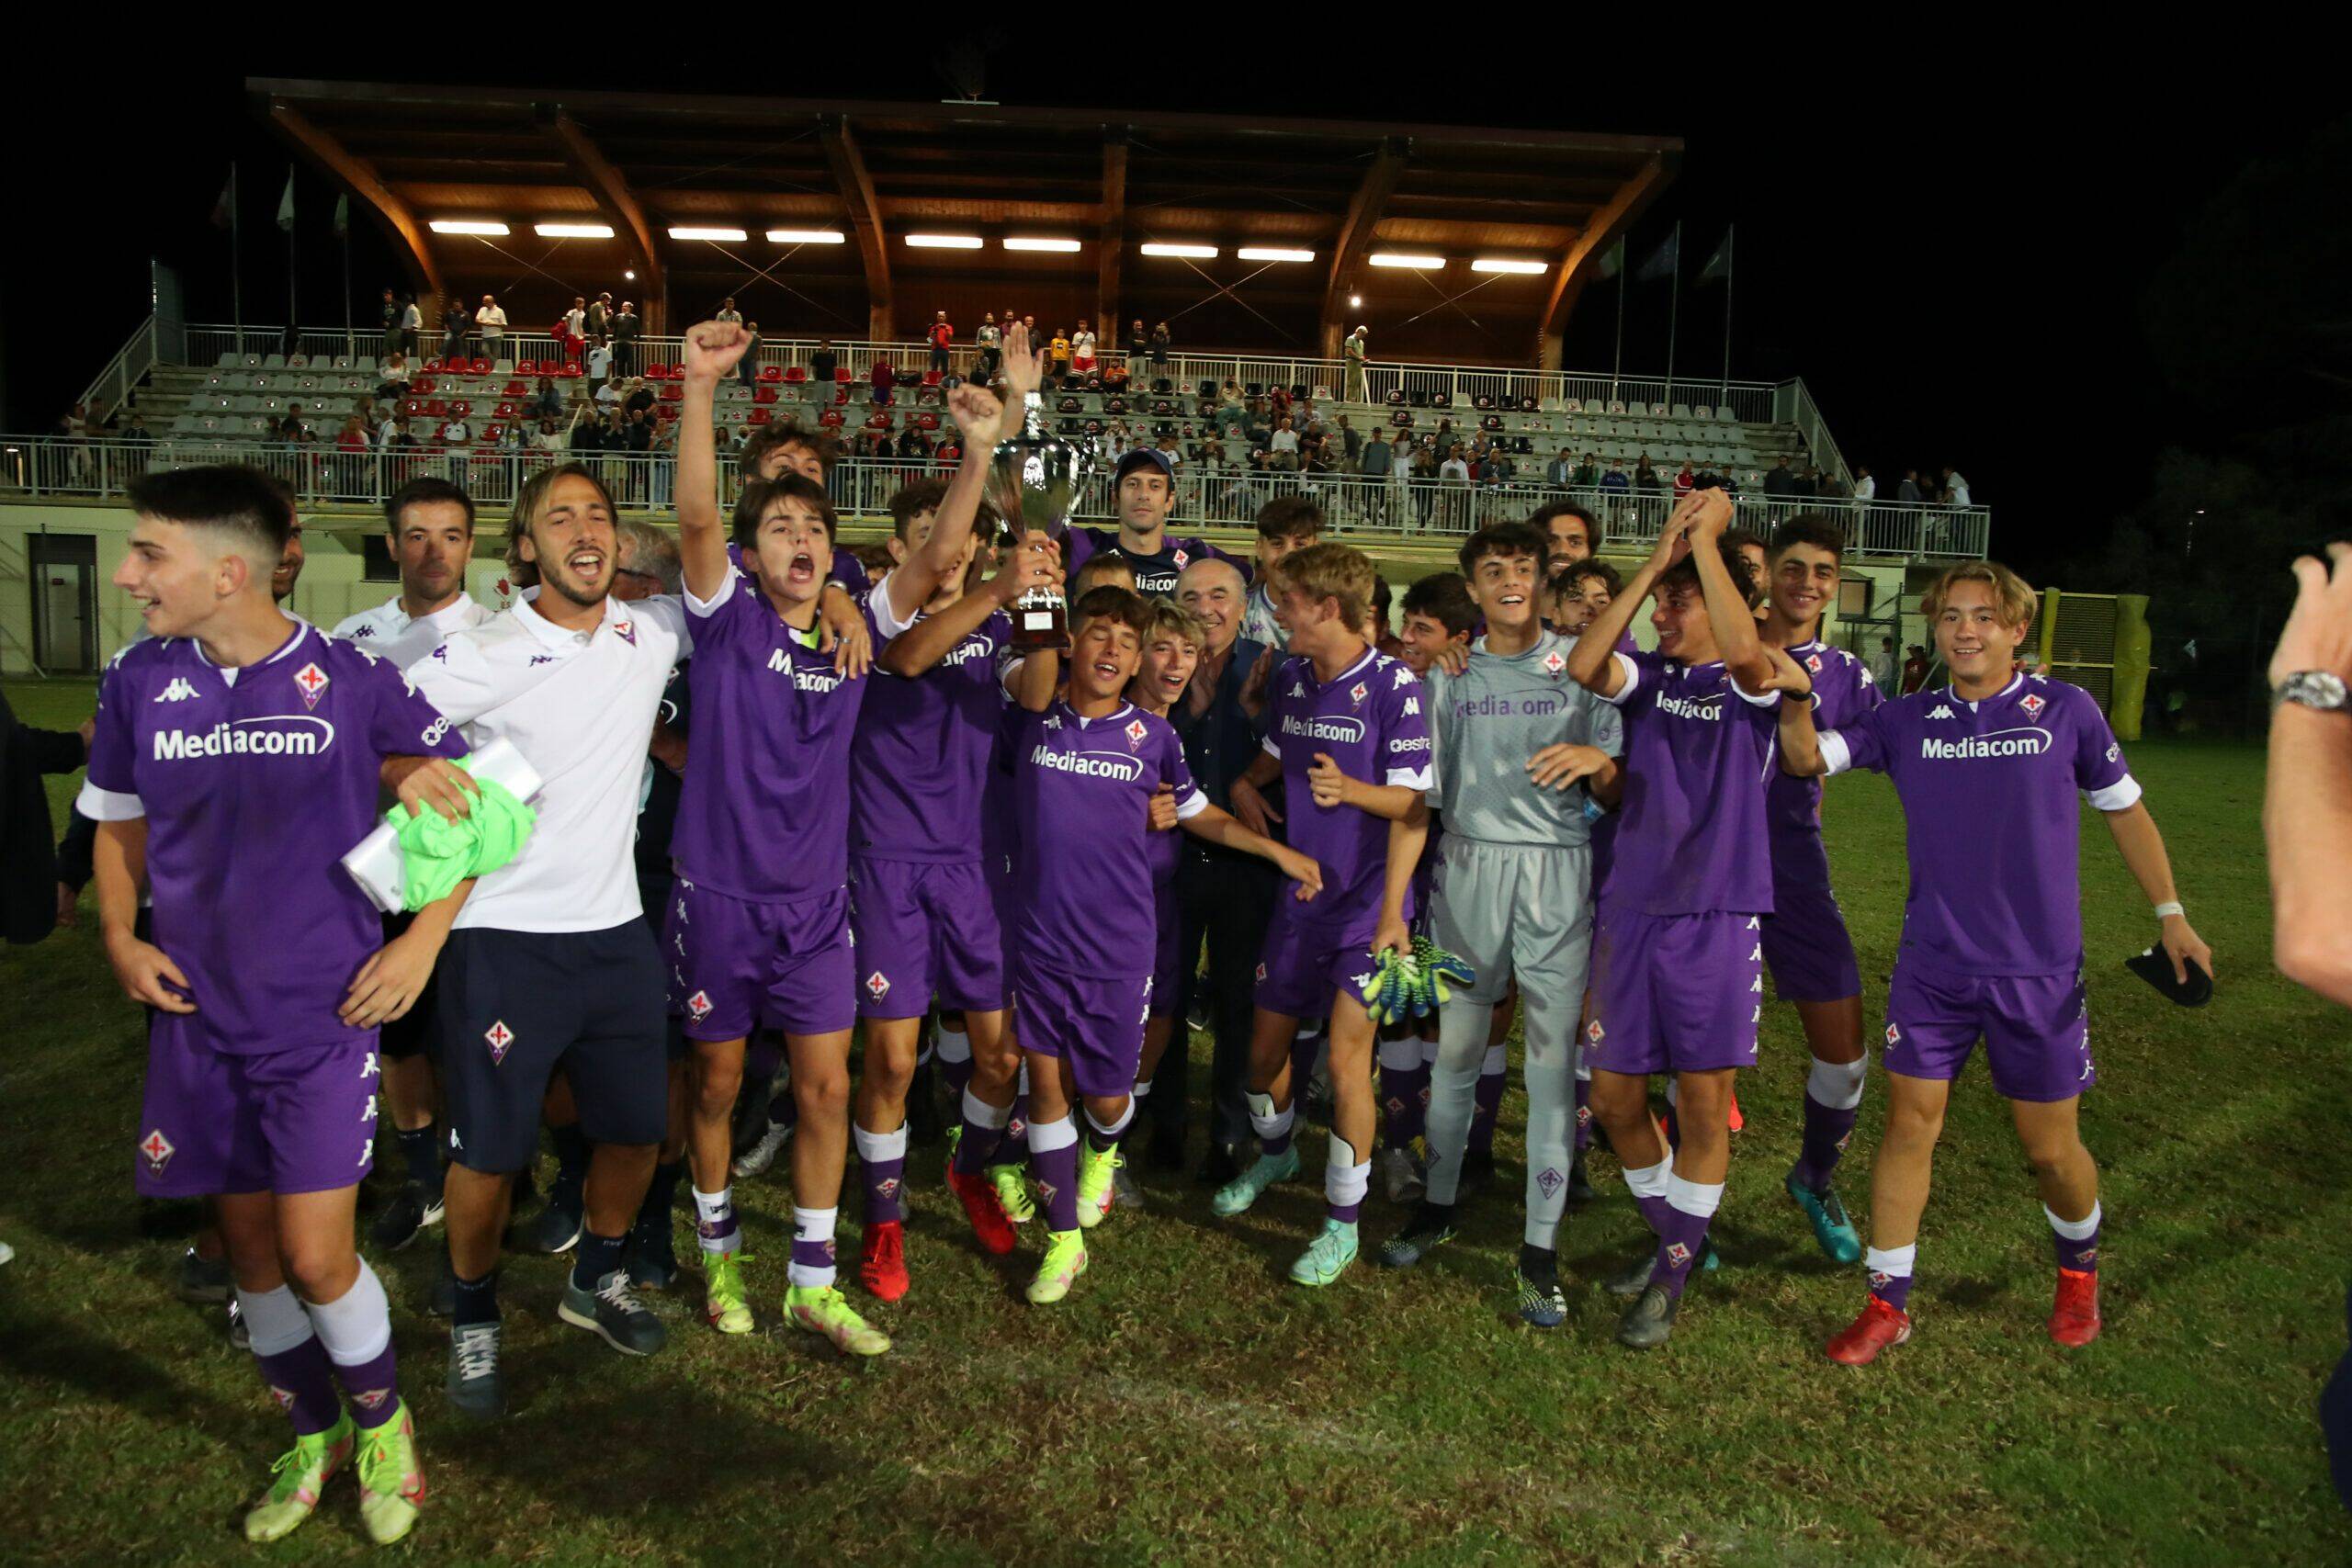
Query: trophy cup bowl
point(1033, 482)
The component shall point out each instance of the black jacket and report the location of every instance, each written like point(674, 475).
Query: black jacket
point(27, 859)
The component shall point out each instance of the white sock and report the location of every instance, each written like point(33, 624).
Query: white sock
point(954, 1044)
point(1698, 1199)
point(1264, 1120)
point(2073, 1230)
point(871, 1147)
point(1345, 1179)
point(1044, 1138)
point(274, 1319)
point(1650, 1180)
point(1114, 1127)
point(357, 1325)
point(1837, 1085)
point(713, 1210)
point(980, 1113)
point(810, 1226)
point(1894, 1261)
point(1401, 1055)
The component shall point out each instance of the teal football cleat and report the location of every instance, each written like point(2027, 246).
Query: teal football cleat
point(1236, 1195)
point(1327, 1256)
point(1838, 1240)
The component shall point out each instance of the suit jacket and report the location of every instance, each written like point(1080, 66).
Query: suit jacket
point(27, 858)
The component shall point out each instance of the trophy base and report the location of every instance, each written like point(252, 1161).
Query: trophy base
point(1040, 629)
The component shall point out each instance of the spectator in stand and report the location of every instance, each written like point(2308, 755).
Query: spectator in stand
point(1646, 480)
point(1865, 490)
point(547, 402)
point(600, 367)
point(991, 352)
point(137, 429)
point(1036, 340)
point(747, 369)
point(1056, 358)
point(1281, 450)
point(1587, 473)
point(549, 438)
point(1353, 386)
point(626, 327)
point(491, 323)
point(1884, 670)
point(824, 366)
point(1350, 441)
point(456, 431)
point(884, 378)
point(600, 320)
point(637, 439)
point(1560, 470)
point(1615, 484)
point(1955, 489)
point(391, 429)
point(637, 397)
point(455, 321)
point(575, 321)
point(1779, 484)
point(607, 397)
point(1915, 670)
point(412, 325)
point(1375, 464)
point(942, 337)
point(1081, 349)
point(1160, 343)
point(1139, 344)
point(392, 323)
point(1907, 492)
point(914, 446)
point(393, 387)
point(727, 310)
point(1685, 482)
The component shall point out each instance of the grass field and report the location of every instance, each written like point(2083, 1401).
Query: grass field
point(1188, 1403)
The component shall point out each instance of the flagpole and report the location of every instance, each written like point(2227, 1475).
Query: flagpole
point(236, 272)
point(1617, 360)
point(343, 226)
point(293, 315)
point(1730, 259)
point(1674, 311)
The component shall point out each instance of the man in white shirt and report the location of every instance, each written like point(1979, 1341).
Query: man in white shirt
point(1865, 488)
point(430, 524)
point(1955, 489)
point(600, 367)
point(492, 322)
point(456, 431)
point(551, 961)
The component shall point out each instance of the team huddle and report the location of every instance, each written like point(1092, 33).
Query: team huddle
point(780, 797)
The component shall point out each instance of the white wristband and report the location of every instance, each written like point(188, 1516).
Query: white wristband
point(2167, 911)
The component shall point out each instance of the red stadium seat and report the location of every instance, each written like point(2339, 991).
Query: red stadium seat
point(656, 372)
point(527, 367)
point(930, 421)
point(435, 408)
point(794, 374)
point(480, 368)
point(672, 391)
point(840, 396)
point(412, 407)
point(504, 411)
point(435, 365)
point(425, 383)
point(516, 389)
point(764, 394)
point(495, 433)
point(831, 419)
point(771, 374)
point(878, 421)
point(463, 408)
point(759, 416)
point(571, 372)
point(930, 377)
point(840, 373)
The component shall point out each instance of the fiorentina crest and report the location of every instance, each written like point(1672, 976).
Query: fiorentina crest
point(313, 682)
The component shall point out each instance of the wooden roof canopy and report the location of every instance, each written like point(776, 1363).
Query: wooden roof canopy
point(645, 163)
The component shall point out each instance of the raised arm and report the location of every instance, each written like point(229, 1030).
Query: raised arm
point(1033, 563)
point(1593, 663)
point(712, 350)
point(1728, 611)
point(980, 418)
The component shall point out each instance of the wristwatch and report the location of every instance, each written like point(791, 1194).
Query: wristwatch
point(2322, 690)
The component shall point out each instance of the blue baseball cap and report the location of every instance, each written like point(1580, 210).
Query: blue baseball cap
point(1140, 456)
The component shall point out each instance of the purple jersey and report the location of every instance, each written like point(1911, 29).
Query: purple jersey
point(253, 783)
point(1368, 720)
point(1156, 574)
point(1843, 690)
point(1699, 755)
point(1988, 801)
point(1081, 803)
point(921, 758)
point(765, 814)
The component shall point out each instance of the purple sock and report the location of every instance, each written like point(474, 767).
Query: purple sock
point(2082, 1257)
point(1584, 1115)
point(1827, 1130)
point(1679, 1246)
point(1057, 1173)
point(958, 1073)
point(1016, 1146)
point(1485, 1107)
point(815, 1254)
point(1405, 1096)
point(302, 1381)
point(1894, 1290)
point(1655, 1211)
point(373, 1387)
point(882, 1162)
point(976, 1149)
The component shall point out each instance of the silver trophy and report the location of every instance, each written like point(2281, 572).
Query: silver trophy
point(1034, 481)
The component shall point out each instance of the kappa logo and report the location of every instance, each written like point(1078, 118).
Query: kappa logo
point(1549, 1181)
point(313, 682)
point(1412, 707)
point(1297, 689)
point(179, 691)
point(1677, 1254)
point(1755, 923)
point(878, 985)
point(1939, 711)
point(158, 1150)
point(364, 629)
point(500, 1037)
point(538, 659)
point(2113, 752)
point(1554, 663)
point(698, 1006)
point(1053, 721)
point(1136, 732)
point(368, 1108)
point(367, 1067)
point(1404, 676)
point(1356, 692)
point(2032, 705)
point(1363, 982)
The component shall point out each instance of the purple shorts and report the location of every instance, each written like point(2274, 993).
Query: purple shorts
point(735, 964)
point(285, 1122)
point(1094, 1025)
point(1805, 943)
point(924, 929)
point(2036, 1030)
point(1165, 962)
point(1674, 993)
point(1303, 967)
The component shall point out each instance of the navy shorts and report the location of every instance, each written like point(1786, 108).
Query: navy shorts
point(516, 1005)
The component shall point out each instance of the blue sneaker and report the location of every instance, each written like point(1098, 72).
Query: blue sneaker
point(1236, 1195)
point(1540, 1305)
point(1831, 1228)
point(1328, 1256)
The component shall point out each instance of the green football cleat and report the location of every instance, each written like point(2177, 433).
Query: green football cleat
point(392, 1483)
point(724, 1301)
point(822, 1309)
point(1429, 1229)
point(1328, 1256)
point(1012, 1184)
point(1832, 1230)
point(1064, 1262)
point(1236, 1195)
point(302, 1471)
point(1096, 1169)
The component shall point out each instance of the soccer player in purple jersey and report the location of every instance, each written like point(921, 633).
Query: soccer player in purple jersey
point(1805, 943)
point(1678, 983)
point(1988, 769)
point(759, 918)
point(235, 728)
point(1346, 734)
point(1086, 932)
point(1144, 489)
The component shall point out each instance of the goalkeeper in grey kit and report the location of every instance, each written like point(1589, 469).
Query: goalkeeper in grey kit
point(1519, 749)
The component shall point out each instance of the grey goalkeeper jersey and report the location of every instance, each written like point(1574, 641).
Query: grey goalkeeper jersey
point(1487, 721)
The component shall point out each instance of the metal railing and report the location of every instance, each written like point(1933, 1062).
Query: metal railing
point(129, 366)
point(1751, 402)
point(1207, 494)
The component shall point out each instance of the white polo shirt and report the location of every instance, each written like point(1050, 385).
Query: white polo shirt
point(579, 706)
point(389, 632)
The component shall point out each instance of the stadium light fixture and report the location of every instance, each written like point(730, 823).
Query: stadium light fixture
point(1018, 243)
point(944, 241)
point(805, 236)
point(628, 275)
point(1399, 258)
point(467, 226)
point(1273, 253)
point(1508, 264)
point(1198, 252)
point(572, 231)
point(1356, 302)
point(734, 236)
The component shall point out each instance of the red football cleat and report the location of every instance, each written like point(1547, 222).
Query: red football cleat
point(1736, 1118)
point(2074, 1321)
point(1878, 1326)
point(882, 1260)
point(987, 1214)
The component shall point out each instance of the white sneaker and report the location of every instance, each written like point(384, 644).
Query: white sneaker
point(1402, 1175)
point(762, 1154)
point(7, 1252)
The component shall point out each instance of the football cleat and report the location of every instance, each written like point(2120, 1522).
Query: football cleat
point(2074, 1318)
point(1878, 1327)
point(724, 1302)
point(1636, 1280)
point(1012, 1184)
point(756, 1160)
point(1541, 1304)
point(1327, 1256)
point(204, 1281)
point(822, 1309)
point(1401, 1176)
point(1477, 1172)
point(1833, 1232)
point(1649, 1321)
point(1064, 1262)
point(404, 1217)
point(1096, 1169)
point(302, 1471)
point(392, 1484)
point(1423, 1234)
point(978, 1195)
point(1580, 1190)
point(882, 1260)
point(1238, 1195)
point(1124, 1188)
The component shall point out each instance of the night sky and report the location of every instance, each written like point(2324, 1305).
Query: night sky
point(1949, 248)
